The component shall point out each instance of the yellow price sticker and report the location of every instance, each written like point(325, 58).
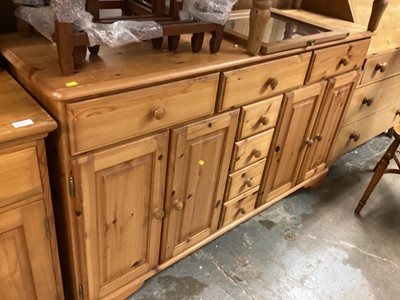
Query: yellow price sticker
point(201, 162)
point(71, 84)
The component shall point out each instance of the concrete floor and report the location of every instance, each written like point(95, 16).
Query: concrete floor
point(308, 246)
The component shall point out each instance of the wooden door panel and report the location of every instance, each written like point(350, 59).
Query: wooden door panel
point(122, 190)
point(198, 167)
point(26, 267)
point(291, 143)
point(339, 91)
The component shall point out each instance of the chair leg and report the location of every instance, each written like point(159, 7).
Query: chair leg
point(379, 171)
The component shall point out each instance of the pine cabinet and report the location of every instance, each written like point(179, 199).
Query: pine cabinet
point(198, 167)
point(122, 192)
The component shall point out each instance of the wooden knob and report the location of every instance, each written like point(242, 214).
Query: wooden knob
point(242, 210)
point(256, 153)
point(345, 61)
point(264, 120)
point(158, 113)
point(381, 66)
point(318, 137)
point(309, 142)
point(158, 213)
point(368, 100)
point(178, 205)
point(248, 182)
point(354, 136)
point(398, 113)
point(272, 82)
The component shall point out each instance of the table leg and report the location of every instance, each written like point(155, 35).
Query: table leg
point(259, 17)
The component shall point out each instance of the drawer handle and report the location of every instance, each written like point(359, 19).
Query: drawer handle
point(309, 142)
point(264, 120)
point(368, 100)
point(242, 210)
point(345, 61)
point(158, 113)
point(273, 82)
point(158, 213)
point(248, 182)
point(256, 153)
point(354, 136)
point(178, 205)
point(318, 137)
point(381, 66)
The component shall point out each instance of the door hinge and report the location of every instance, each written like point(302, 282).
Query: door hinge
point(71, 187)
point(80, 292)
point(47, 227)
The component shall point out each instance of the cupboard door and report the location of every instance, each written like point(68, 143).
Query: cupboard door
point(26, 266)
point(339, 90)
point(198, 166)
point(294, 136)
point(122, 191)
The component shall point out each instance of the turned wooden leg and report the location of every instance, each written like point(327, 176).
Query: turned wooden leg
point(63, 36)
point(173, 42)
point(296, 4)
point(378, 8)
point(379, 171)
point(79, 56)
point(259, 17)
point(197, 41)
point(216, 39)
point(157, 43)
point(94, 50)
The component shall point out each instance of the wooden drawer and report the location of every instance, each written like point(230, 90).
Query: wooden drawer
point(114, 118)
point(330, 61)
point(252, 149)
point(381, 66)
point(357, 133)
point(373, 97)
point(256, 82)
point(245, 179)
point(20, 176)
point(259, 116)
point(237, 208)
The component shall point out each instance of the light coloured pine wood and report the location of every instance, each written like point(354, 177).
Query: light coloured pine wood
point(114, 118)
point(238, 207)
point(339, 92)
point(20, 177)
point(259, 16)
point(198, 166)
point(122, 191)
point(365, 129)
point(370, 98)
point(294, 136)
point(26, 272)
point(258, 117)
point(248, 84)
point(339, 59)
point(251, 150)
point(381, 66)
point(245, 179)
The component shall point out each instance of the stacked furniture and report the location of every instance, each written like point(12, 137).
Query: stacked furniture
point(29, 266)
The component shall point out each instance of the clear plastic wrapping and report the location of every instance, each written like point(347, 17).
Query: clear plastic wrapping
point(68, 11)
point(35, 3)
point(41, 18)
point(213, 11)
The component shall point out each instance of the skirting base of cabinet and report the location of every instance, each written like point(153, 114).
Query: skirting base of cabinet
point(125, 291)
point(135, 285)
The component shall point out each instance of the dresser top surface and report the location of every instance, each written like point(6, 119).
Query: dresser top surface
point(20, 116)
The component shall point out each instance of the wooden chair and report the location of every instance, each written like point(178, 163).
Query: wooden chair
point(382, 168)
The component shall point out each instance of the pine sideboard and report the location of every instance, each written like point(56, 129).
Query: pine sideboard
point(157, 153)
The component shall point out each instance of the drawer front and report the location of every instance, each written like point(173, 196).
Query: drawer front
point(330, 61)
point(381, 66)
point(260, 116)
point(245, 179)
point(256, 82)
point(239, 207)
point(20, 176)
point(109, 119)
point(251, 150)
point(373, 97)
point(357, 133)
